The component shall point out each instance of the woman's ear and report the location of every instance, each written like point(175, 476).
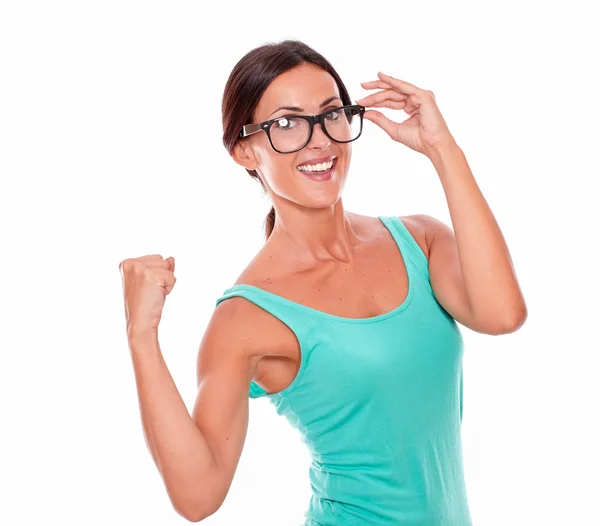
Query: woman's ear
point(243, 155)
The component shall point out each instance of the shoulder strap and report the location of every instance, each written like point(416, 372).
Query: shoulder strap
point(409, 247)
point(282, 309)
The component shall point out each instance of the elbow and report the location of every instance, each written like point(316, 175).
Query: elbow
point(196, 514)
point(197, 517)
point(511, 323)
point(517, 320)
point(195, 506)
point(198, 498)
point(496, 323)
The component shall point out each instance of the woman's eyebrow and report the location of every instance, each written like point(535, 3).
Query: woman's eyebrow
point(295, 108)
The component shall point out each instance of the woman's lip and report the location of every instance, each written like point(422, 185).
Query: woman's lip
point(319, 160)
point(323, 176)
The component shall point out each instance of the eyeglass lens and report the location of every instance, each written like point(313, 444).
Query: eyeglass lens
point(289, 133)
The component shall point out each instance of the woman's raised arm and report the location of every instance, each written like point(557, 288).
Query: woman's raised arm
point(196, 454)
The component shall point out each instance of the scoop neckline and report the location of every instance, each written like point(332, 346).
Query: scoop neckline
point(344, 319)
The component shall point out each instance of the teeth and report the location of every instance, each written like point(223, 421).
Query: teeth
point(321, 167)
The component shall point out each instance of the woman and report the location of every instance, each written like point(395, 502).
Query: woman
point(345, 322)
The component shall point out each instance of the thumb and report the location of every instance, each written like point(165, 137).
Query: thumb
point(171, 261)
point(387, 125)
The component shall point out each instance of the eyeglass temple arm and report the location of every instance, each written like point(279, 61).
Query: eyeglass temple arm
point(249, 129)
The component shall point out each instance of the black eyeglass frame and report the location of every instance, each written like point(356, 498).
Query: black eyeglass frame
point(249, 129)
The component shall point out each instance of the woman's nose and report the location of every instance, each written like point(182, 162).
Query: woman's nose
point(319, 139)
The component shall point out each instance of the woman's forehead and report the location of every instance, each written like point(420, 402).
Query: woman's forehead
point(302, 87)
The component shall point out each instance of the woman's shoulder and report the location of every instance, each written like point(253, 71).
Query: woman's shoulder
point(419, 227)
point(267, 332)
point(245, 321)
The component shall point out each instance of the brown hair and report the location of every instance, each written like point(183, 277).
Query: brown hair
point(250, 78)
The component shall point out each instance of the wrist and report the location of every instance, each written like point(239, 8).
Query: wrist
point(137, 335)
point(442, 148)
point(144, 347)
point(444, 154)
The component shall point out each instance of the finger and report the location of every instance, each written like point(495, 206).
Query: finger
point(158, 263)
point(165, 278)
point(401, 85)
point(411, 107)
point(387, 125)
point(394, 105)
point(373, 84)
point(380, 96)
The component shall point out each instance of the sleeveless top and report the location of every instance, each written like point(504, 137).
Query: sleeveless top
point(378, 403)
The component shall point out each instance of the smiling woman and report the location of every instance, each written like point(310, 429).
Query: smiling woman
point(346, 323)
point(292, 78)
point(377, 400)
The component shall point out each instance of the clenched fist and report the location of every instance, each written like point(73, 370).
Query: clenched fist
point(146, 282)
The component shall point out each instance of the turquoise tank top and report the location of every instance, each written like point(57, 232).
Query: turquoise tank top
point(378, 403)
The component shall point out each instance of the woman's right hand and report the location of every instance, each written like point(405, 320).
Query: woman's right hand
point(146, 282)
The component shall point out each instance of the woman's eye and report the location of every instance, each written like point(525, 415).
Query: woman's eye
point(285, 123)
point(334, 115)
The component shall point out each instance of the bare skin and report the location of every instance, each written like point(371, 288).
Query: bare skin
point(375, 283)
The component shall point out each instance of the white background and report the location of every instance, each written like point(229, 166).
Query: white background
point(110, 147)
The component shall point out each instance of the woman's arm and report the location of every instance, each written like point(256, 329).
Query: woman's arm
point(471, 270)
point(197, 455)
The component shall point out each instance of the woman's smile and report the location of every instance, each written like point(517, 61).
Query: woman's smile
point(318, 172)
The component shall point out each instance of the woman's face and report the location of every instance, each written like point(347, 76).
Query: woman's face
point(306, 87)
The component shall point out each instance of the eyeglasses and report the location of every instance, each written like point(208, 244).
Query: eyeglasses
point(291, 133)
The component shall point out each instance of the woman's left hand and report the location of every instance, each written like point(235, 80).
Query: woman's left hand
point(424, 131)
